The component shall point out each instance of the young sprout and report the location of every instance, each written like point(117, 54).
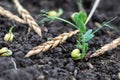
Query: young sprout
point(118, 75)
point(83, 37)
point(51, 15)
point(4, 52)
point(9, 36)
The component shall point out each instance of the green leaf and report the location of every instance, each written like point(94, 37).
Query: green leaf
point(88, 32)
point(80, 19)
point(83, 16)
point(44, 20)
point(88, 35)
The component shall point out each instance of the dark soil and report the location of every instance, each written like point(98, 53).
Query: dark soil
point(56, 64)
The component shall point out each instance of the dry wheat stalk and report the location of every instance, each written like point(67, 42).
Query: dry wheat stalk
point(51, 44)
point(11, 16)
point(107, 47)
point(27, 17)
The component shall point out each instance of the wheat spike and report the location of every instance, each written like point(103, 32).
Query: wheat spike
point(27, 17)
point(107, 47)
point(50, 44)
point(11, 16)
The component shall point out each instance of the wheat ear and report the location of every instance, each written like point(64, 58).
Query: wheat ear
point(11, 16)
point(27, 17)
point(50, 44)
point(107, 47)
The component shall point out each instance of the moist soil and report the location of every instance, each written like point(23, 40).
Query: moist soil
point(57, 64)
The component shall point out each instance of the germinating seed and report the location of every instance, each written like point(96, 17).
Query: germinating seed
point(118, 75)
point(4, 52)
point(75, 54)
point(9, 37)
point(52, 13)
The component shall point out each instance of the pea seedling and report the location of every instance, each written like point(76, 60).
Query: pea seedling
point(9, 36)
point(85, 35)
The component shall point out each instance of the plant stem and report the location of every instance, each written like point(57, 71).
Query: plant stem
point(83, 50)
point(80, 6)
point(43, 20)
point(111, 20)
point(14, 63)
point(66, 21)
point(10, 31)
point(104, 24)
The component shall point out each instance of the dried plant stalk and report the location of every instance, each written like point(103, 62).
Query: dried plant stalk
point(50, 44)
point(27, 17)
point(107, 47)
point(11, 16)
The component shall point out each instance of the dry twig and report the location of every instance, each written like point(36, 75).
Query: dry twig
point(27, 17)
point(9, 15)
point(107, 47)
point(51, 44)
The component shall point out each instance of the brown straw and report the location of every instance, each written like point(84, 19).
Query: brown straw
point(107, 47)
point(28, 18)
point(51, 44)
point(11, 16)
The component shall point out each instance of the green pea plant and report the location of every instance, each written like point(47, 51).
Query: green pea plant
point(84, 35)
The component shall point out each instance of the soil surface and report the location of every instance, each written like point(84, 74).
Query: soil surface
point(57, 64)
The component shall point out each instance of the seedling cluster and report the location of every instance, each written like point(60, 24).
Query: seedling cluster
point(4, 52)
point(84, 35)
point(79, 18)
